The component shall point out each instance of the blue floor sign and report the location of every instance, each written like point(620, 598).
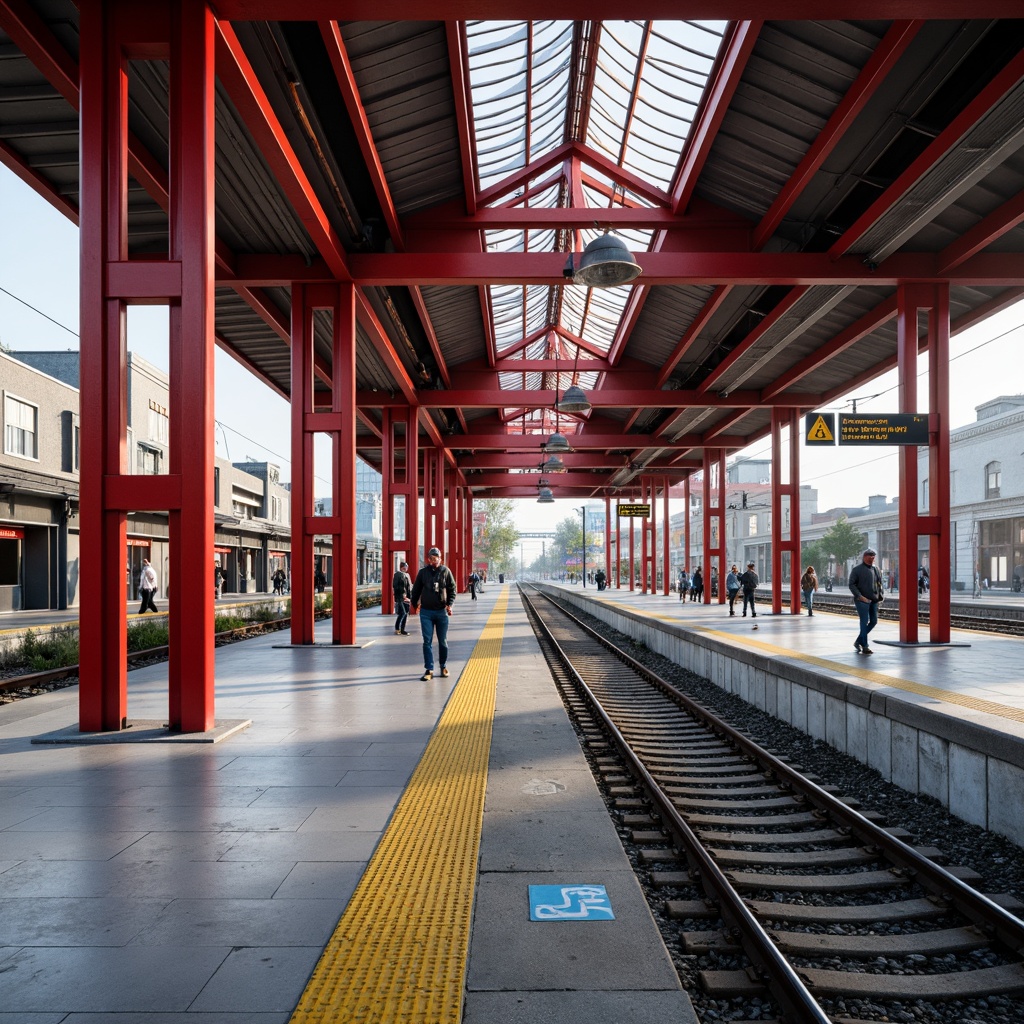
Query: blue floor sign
point(570, 903)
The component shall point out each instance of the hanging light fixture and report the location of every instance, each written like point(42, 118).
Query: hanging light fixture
point(605, 263)
point(574, 400)
point(556, 443)
point(553, 464)
point(544, 496)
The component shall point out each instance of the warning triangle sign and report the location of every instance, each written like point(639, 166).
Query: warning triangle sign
point(821, 430)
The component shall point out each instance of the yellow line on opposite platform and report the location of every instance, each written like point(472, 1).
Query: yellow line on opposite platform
point(896, 682)
point(399, 951)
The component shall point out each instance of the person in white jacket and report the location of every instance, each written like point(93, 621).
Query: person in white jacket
point(148, 588)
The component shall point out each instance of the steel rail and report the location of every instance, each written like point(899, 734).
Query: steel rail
point(777, 973)
point(997, 922)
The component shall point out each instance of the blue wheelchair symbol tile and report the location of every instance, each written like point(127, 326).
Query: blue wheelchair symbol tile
point(570, 903)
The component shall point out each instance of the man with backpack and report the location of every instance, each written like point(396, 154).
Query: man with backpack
point(433, 595)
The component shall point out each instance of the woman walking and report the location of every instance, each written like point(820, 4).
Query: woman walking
point(809, 584)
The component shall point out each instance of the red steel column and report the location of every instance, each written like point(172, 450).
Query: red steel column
point(666, 537)
point(608, 539)
point(191, 651)
point(632, 573)
point(721, 546)
point(388, 566)
point(645, 498)
point(686, 523)
point(302, 466)
point(938, 466)
point(343, 412)
point(795, 566)
point(909, 299)
point(782, 543)
point(618, 548)
point(713, 458)
point(103, 688)
point(112, 34)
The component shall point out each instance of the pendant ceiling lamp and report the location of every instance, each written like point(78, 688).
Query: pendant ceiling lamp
point(545, 497)
point(606, 263)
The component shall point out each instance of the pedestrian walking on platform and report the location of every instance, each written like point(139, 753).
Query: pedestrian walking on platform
point(402, 587)
point(697, 585)
point(148, 587)
point(866, 587)
point(749, 581)
point(684, 584)
point(732, 588)
point(809, 584)
point(433, 595)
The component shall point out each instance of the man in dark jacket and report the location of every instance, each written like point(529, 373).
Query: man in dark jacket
point(866, 587)
point(402, 587)
point(749, 581)
point(433, 595)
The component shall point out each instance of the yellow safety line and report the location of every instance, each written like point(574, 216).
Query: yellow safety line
point(921, 689)
point(399, 951)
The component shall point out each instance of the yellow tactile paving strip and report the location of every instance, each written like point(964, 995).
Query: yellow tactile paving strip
point(921, 689)
point(399, 951)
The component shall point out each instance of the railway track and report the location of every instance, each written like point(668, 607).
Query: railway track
point(784, 891)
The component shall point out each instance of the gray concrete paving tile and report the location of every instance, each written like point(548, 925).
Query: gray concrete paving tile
point(589, 1007)
point(560, 841)
point(213, 922)
point(227, 1017)
point(625, 954)
point(335, 880)
point(377, 778)
point(175, 818)
point(371, 816)
point(561, 786)
point(107, 921)
point(103, 978)
point(260, 979)
point(16, 844)
point(363, 800)
point(33, 1018)
point(209, 879)
point(290, 847)
point(183, 846)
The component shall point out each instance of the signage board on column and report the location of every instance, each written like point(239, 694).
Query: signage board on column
point(634, 511)
point(883, 428)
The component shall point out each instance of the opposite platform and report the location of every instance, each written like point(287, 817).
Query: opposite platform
point(945, 721)
point(172, 883)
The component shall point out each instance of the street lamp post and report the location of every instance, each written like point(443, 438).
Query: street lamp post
point(583, 546)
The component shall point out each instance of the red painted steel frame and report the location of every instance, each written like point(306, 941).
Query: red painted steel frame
point(666, 540)
point(111, 34)
point(714, 457)
point(398, 478)
point(302, 465)
point(791, 489)
point(910, 299)
point(938, 466)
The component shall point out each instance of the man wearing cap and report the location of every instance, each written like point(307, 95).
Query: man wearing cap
point(749, 582)
point(866, 587)
point(433, 595)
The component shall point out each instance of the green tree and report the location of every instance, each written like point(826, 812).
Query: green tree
point(814, 553)
point(497, 540)
point(566, 545)
point(842, 541)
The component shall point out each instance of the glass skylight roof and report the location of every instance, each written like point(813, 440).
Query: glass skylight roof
point(635, 108)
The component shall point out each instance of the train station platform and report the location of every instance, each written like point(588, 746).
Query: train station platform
point(364, 850)
point(946, 721)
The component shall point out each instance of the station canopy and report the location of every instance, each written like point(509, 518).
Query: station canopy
point(692, 222)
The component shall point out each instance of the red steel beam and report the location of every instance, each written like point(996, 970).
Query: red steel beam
point(669, 268)
point(1001, 84)
point(887, 54)
point(718, 93)
point(743, 347)
point(602, 398)
point(1004, 218)
point(461, 88)
point(606, 10)
point(243, 86)
point(338, 55)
